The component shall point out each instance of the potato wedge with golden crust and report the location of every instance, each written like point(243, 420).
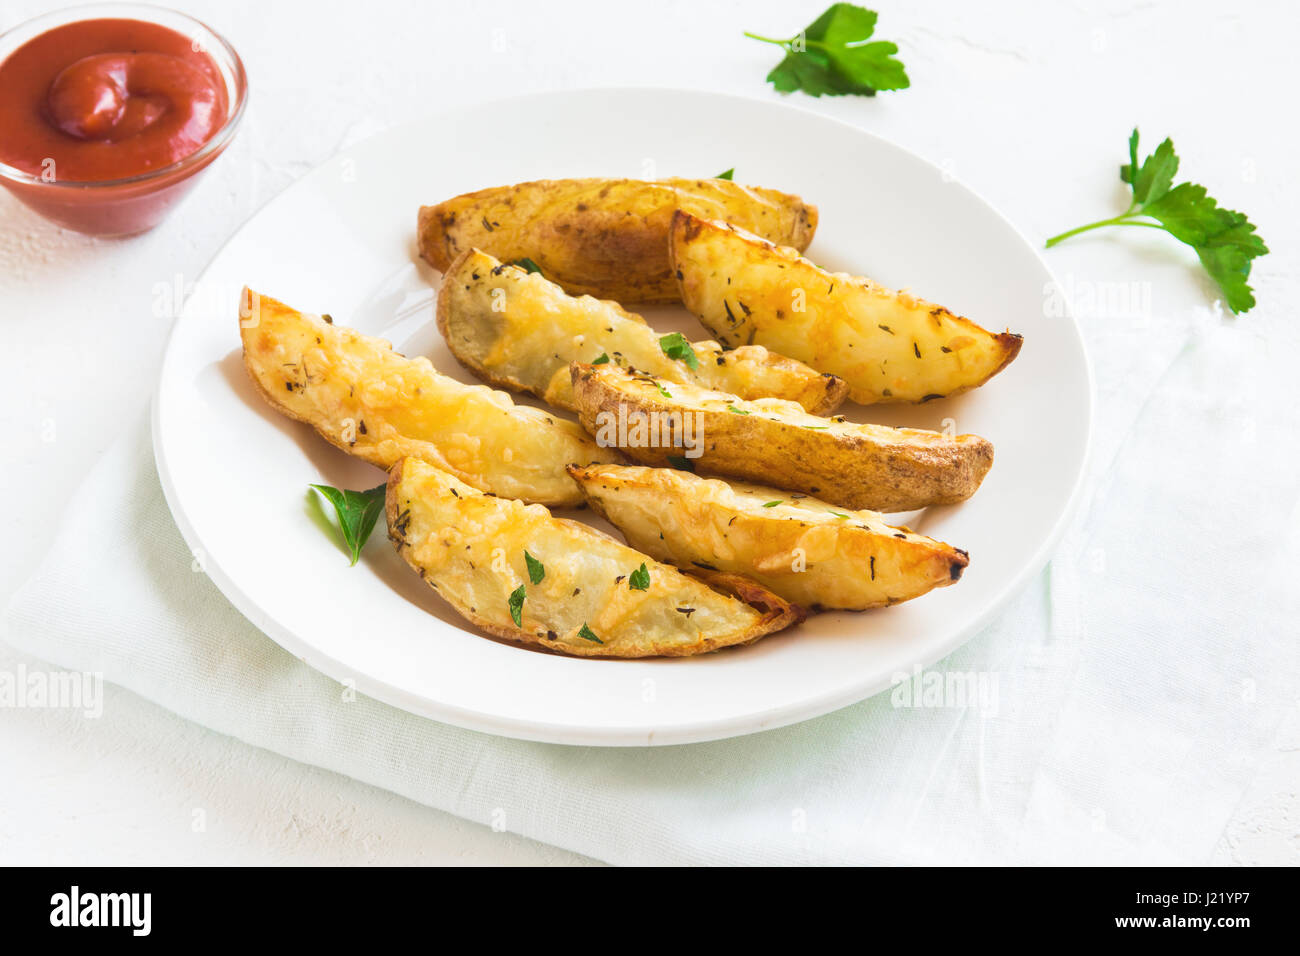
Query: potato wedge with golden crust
point(777, 443)
point(603, 237)
point(583, 593)
point(889, 346)
point(519, 331)
point(381, 406)
point(801, 548)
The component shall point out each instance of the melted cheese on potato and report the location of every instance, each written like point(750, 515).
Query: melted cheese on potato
point(777, 443)
point(889, 346)
point(471, 548)
point(520, 331)
point(805, 549)
point(381, 406)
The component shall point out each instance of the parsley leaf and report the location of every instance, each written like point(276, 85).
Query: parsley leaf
point(1224, 240)
point(536, 570)
point(772, 504)
point(528, 265)
point(601, 359)
point(676, 347)
point(680, 463)
point(736, 411)
point(1156, 175)
point(728, 175)
point(639, 580)
point(587, 634)
point(831, 57)
point(516, 605)
point(663, 391)
point(357, 513)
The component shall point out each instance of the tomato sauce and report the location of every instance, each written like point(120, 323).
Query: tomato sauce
point(103, 100)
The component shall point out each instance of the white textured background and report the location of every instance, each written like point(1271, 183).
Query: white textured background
point(1028, 103)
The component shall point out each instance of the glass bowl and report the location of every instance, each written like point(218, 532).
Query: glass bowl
point(123, 207)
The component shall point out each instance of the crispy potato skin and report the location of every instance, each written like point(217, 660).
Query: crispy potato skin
point(603, 237)
point(381, 406)
point(889, 346)
point(520, 331)
point(799, 548)
point(470, 548)
point(777, 443)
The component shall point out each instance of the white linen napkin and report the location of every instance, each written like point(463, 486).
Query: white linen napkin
point(1128, 690)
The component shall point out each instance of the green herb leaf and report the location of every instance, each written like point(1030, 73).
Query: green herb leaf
point(773, 504)
point(516, 605)
point(832, 58)
point(728, 175)
point(663, 391)
point(680, 463)
point(1156, 175)
point(736, 411)
point(1225, 241)
point(527, 265)
point(838, 515)
point(639, 580)
point(587, 634)
point(604, 357)
point(357, 512)
point(676, 347)
point(1126, 171)
point(536, 570)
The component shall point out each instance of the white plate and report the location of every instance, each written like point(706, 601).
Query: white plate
point(342, 241)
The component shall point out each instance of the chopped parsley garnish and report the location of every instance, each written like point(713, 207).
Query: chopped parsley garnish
point(357, 512)
point(516, 605)
point(676, 347)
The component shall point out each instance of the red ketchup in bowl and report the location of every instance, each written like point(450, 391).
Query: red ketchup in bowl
point(104, 122)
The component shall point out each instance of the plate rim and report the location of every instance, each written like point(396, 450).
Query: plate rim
point(702, 730)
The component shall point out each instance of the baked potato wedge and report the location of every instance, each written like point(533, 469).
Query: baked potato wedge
point(889, 346)
point(582, 593)
point(799, 547)
point(520, 331)
point(772, 442)
point(603, 237)
point(381, 406)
